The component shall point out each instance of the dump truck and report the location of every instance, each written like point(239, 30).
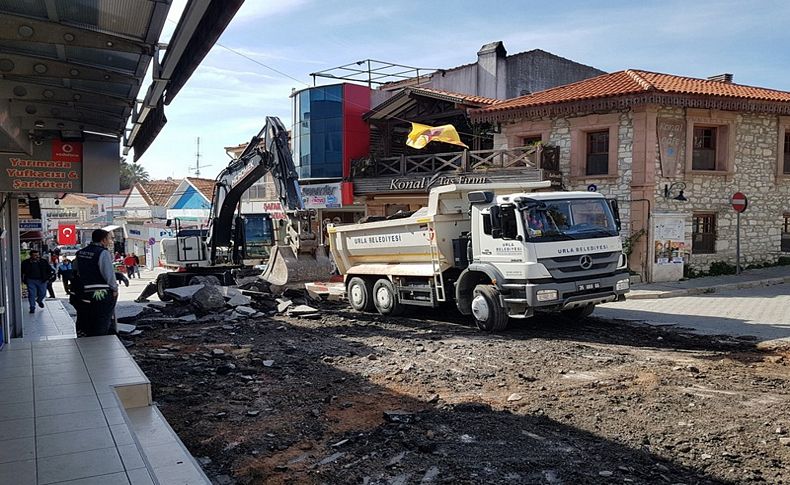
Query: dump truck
point(498, 251)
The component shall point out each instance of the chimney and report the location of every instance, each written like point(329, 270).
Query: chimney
point(491, 70)
point(722, 78)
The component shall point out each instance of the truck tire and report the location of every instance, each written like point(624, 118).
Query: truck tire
point(486, 310)
point(579, 313)
point(385, 298)
point(360, 294)
point(161, 286)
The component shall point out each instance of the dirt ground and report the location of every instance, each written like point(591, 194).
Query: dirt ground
point(358, 398)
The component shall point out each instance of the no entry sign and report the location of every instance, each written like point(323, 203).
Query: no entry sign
point(739, 202)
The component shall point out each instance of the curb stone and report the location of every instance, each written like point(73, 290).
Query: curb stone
point(653, 294)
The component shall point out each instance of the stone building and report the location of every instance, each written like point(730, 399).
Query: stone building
point(672, 150)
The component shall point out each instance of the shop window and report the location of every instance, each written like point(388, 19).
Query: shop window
point(704, 154)
point(703, 234)
point(786, 154)
point(598, 152)
point(786, 233)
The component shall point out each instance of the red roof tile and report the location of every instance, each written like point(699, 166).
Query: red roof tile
point(456, 97)
point(636, 82)
point(157, 192)
point(205, 186)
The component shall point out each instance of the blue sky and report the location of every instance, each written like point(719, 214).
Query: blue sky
point(226, 100)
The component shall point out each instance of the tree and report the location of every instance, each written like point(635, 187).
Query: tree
point(132, 173)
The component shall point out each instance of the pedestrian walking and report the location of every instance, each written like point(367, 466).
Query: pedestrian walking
point(36, 272)
point(97, 289)
point(136, 265)
point(66, 273)
point(53, 264)
point(128, 261)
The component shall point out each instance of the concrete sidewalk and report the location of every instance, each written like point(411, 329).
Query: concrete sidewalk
point(711, 284)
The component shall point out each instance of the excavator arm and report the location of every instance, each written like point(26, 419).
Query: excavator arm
point(297, 257)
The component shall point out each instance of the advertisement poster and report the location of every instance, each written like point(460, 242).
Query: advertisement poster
point(670, 252)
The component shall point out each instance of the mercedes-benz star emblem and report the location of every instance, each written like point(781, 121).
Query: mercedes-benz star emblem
point(586, 261)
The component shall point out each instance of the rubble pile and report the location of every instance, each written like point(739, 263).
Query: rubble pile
point(208, 302)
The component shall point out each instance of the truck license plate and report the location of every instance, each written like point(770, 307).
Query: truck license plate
point(589, 286)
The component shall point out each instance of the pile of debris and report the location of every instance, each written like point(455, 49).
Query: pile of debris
point(207, 302)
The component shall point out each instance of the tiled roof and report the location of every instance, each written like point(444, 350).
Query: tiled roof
point(455, 97)
point(205, 186)
point(71, 200)
point(637, 82)
point(157, 192)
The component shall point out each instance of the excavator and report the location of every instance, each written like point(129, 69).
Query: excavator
point(237, 245)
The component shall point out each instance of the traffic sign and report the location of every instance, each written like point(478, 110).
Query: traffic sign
point(739, 202)
point(592, 188)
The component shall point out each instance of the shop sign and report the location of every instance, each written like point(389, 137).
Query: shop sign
point(21, 175)
point(323, 196)
point(670, 142)
point(425, 183)
point(134, 232)
point(30, 225)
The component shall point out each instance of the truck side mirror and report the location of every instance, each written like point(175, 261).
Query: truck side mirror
point(508, 222)
point(615, 212)
point(496, 222)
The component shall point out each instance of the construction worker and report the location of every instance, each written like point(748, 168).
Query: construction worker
point(97, 289)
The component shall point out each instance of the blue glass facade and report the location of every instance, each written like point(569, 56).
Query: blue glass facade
point(318, 132)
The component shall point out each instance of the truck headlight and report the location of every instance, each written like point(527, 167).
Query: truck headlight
point(623, 285)
point(547, 295)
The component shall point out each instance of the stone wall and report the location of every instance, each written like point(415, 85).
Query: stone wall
point(613, 188)
point(755, 166)
point(754, 173)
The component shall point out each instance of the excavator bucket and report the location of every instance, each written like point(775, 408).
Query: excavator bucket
point(288, 270)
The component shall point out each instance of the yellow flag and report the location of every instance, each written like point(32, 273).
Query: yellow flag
point(421, 135)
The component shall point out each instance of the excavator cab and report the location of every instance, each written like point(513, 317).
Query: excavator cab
point(297, 258)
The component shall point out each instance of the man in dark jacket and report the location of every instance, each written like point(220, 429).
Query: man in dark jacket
point(97, 289)
point(35, 274)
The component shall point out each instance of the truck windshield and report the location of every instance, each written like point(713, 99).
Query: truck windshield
point(560, 220)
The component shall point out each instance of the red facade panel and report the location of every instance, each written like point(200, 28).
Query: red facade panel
point(356, 132)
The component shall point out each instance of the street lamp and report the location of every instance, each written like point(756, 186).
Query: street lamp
point(669, 190)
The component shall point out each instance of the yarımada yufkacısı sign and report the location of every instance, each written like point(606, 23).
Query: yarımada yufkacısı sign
point(59, 170)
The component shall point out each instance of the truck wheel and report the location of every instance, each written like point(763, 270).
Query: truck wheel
point(386, 298)
point(580, 312)
point(161, 286)
point(488, 313)
point(360, 294)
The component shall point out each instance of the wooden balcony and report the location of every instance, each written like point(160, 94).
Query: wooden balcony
point(467, 161)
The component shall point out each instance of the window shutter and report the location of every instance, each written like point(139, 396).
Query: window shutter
point(722, 147)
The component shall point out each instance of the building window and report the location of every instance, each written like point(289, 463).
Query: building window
point(531, 140)
point(704, 154)
point(703, 234)
point(786, 233)
point(786, 167)
point(598, 152)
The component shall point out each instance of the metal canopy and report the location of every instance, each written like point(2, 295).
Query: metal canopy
point(78, 66)
point(73, 65)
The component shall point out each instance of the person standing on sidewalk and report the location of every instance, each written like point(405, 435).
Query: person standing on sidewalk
point(96, 289)
point(128, 261)
point(36, 272)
